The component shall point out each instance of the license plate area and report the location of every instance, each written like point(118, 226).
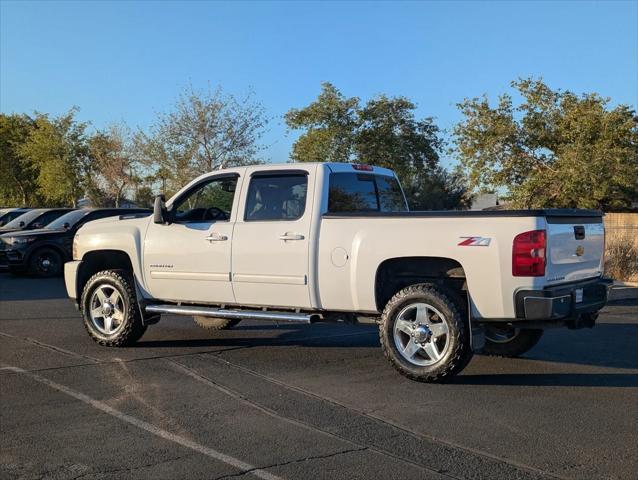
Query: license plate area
point(578, 295)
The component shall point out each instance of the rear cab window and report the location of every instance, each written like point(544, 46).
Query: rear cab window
point(364, 192)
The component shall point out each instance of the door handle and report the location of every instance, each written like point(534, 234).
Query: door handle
point(216, 237)
point(291, 236)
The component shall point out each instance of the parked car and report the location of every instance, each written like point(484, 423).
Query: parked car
point(8, 214)
point(34, 219)
point(42, 252)
point(31, 220)
point(317, 242)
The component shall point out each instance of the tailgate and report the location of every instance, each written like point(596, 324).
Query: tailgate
point(575, 247)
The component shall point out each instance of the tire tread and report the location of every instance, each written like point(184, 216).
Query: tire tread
point(133, 327)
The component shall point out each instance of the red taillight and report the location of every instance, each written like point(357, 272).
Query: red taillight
point(528, 254)
point(365, 168)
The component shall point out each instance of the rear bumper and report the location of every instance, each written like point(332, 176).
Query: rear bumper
point(562, 302)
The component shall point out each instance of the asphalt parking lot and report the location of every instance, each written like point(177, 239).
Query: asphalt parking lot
point(301, 402)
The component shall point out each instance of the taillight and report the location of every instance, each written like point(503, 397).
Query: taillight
point(361, 167)
point(528, 254)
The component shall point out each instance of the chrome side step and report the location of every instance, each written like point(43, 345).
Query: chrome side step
point(233, 314)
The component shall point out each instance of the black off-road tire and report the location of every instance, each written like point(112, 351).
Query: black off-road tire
point(41, 255)
point(458, 353)
point(215, 323)
point(523, 341)
point(133, 327)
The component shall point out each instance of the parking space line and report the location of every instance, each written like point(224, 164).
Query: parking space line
point(141, 424)
point(370, 415)
point(359, 447)
point(50, 347)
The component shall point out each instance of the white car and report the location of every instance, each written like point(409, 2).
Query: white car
point(331, 241)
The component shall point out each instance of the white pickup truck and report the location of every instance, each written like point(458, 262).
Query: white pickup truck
point(331, 241)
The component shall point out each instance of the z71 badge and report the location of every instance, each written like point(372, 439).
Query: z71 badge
point(475, 242)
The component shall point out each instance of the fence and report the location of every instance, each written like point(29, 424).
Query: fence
point(621, 246)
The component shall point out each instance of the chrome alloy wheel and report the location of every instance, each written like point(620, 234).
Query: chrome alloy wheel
point(421, 334)
point(107, 309)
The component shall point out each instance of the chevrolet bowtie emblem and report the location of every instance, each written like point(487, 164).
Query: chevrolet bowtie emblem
point(580, 251)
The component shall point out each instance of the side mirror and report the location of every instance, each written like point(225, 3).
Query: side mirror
point(21, 224)
point(159, 210)
point(66, 225)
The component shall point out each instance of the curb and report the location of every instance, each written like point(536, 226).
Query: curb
point(623, 292)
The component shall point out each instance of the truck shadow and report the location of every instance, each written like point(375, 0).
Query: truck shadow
point(616, 380)
point(20, 288)
point(294, 335)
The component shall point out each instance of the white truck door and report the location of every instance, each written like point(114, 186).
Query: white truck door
point(189, 259)
point(272, 238)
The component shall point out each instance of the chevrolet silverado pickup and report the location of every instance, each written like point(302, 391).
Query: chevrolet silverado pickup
point(337, 242)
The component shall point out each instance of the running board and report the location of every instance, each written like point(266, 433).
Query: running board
point(232, 314)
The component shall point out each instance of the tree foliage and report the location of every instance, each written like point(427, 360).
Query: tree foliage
point(553, 149)
point(205, 131)
point(57, 148)
point(382, 132)
point(18, 178)
point(330, 123)
point(111, 152)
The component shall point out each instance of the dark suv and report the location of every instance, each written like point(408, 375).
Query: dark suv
point(43, 252)
point(33, 219)
point(8, 214)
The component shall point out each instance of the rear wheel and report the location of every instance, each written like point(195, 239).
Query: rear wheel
point(109, 308)
point(45, 262)
point(509, 341)
point(215, 323)
point(423, 334)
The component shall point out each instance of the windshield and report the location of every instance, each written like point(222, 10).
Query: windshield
point(71, 218)
point(27, 218)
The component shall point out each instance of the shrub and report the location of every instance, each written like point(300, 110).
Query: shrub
point(621, 255)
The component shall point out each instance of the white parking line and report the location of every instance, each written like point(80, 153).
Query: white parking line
point(209, 452)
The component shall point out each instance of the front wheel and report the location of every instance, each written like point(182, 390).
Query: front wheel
point(45, 262)
point(109, 308)
point(509, 341)
point(424, 335)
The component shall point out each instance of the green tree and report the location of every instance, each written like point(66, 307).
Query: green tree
point(330, 123)
point(384, 132)
point(19, 175)
point(110, 149)
point(204, 131)
point(553, 149)
point(58, 149)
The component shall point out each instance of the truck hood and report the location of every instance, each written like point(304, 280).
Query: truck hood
point(114, 224)
point(122, 219)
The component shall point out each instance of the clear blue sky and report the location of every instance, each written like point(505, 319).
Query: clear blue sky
point(128, 60)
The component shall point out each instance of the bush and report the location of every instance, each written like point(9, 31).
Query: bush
point(621, 255)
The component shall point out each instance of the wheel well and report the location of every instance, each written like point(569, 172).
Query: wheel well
point(62, 254)
point(397, 273)
point(93, 262)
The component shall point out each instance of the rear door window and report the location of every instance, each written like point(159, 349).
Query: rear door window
point(276, 197)
point(46, 218)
